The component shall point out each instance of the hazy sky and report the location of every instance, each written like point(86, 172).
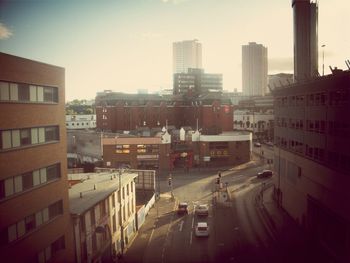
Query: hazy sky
point(126, 45)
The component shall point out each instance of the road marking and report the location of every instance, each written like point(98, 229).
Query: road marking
point(191, 238)
point(181, 225)
point(192, 221)
point(150, 238)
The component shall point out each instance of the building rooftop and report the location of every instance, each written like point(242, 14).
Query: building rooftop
point(94, 188)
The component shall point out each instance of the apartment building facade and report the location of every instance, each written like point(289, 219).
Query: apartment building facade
point(312, 160)
point(254, 69)
point(34, 214)
point(103, 209)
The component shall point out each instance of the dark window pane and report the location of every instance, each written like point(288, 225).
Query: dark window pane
point(30, 222)
point(55, 209)
point(48, 94)
point(54, 94)
point(23, 92)
point(58, 245)
point(25, 137)
point(51, 133)
point(53, 172)
point(27, 180)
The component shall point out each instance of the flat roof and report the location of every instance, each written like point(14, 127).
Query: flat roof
point(105, 186)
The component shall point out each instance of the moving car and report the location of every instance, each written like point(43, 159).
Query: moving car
point(257, 144)
point(182, 208)
point(202, 229)
point(265, 174)
point(202, 209)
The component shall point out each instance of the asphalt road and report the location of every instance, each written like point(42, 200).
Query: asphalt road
point(238, 233)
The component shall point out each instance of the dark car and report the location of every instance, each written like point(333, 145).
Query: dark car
point(265, 174)
point(182, 208)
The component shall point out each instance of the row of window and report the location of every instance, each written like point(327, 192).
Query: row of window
point(333, 98)
point(141, 148)
point(82, 123)
point(23, 182)
point(340, 161)
point(28, 136)
point(49, 252)
point(30, 223)
point(27, 93)
point(318, 126)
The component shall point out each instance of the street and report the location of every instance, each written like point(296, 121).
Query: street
point(240, 232)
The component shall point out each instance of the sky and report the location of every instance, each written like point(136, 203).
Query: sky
point(126, 45)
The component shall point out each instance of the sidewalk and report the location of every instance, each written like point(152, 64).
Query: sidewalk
point(136, 251)
point(288, 235)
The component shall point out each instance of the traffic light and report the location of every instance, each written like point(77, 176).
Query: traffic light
point(218, 180)
point(169, 181)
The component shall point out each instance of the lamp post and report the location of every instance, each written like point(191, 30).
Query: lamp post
point(323, 59)
point(75, 150)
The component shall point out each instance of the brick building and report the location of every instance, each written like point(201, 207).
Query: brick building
point(126, 112)
point(34, 213)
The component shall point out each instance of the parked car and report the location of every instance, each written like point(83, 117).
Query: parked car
point(265, 174)
point(202, 229)
point(257, 144)
point(202, 209)
point(182, 208)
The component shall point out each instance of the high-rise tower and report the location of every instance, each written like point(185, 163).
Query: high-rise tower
point(186, 54)
point(254, 69)
point(305, 39)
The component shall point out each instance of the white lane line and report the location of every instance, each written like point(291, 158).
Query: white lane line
point(181, 225)
point(150, 238)
point(191, 238)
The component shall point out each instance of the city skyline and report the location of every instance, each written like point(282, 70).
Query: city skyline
point(102, 45)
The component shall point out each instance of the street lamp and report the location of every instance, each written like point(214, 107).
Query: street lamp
point(76, 151)
point(323, 59)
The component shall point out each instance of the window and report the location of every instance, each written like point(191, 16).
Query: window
point(27, 180)
point(113, 200)
point(94, 243)
point(103, 208)
point(30, 136)
point(92, 214)
point(33, 221)
point(50, 94)
point(82, 223)
point(4, 91)
point(51, 133)
point(46, 254)
point(56, 209)
point(114, 222)
point(53, 172)
point(25, 137)
point(30, 222)
point(23, 92)
point(58, 245)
